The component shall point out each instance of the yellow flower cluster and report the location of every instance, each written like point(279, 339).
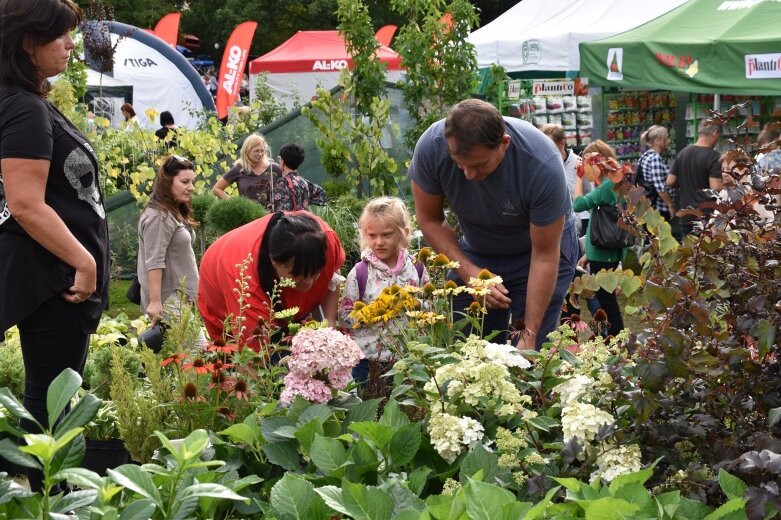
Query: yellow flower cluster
point(423, 318)
point(392, 302)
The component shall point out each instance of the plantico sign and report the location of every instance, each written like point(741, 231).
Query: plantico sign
point(763, 66)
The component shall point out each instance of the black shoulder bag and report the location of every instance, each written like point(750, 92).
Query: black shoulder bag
point(134, 291)
point(605, 233)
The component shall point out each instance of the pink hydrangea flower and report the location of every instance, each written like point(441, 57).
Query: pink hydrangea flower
point(340, 378)
point(312, 390)
point(319, 358)
point(322, 350)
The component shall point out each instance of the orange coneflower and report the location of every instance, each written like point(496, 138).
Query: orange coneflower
point(198, 365)
point(176, 359)
point(241, 389)
point(222, 347)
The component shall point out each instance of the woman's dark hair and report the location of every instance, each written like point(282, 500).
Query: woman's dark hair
point(166, 118)
point(38, 21)
point(127, 107)
point(293, 154)
point(162, 196)
point(295, 237)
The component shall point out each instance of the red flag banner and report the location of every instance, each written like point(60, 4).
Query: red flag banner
point(167, 29)
point(234, 59)
point(384, 34)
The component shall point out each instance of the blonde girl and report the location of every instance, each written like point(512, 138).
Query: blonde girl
point(384, 229)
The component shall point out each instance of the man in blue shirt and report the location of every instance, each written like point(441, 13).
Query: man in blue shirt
point(505, 181)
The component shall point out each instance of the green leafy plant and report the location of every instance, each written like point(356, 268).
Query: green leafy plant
point(201, 204)
point(351, 144)
point(12, 367)
point(139, 403)
point(58, 448)
point(368, 77)
point(103, 426)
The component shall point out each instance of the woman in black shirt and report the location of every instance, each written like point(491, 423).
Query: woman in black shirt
point(54, 266)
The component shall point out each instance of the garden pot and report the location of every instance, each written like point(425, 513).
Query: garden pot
point(104, 454)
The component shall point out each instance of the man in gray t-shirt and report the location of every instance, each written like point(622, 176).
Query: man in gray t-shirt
point(505, 181)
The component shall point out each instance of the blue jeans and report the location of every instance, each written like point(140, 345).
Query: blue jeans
point(514, 270)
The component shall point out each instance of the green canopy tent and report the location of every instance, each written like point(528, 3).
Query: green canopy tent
point(703, 46)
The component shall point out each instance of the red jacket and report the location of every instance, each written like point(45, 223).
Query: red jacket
point(219, 272)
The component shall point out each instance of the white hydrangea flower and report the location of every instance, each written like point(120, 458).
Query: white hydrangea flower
point(507, 355)
point(472, 431)
point(615, 461)
point(450, 435)
point(574, 387)
point(583, 421)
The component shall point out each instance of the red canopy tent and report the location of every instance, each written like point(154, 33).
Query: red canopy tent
point(309, 59)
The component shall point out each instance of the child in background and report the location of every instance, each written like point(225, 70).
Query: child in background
point(384, 229)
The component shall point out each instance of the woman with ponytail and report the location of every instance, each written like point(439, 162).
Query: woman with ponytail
point(295, 245)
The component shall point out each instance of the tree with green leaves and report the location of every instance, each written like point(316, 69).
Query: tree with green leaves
point(440, 62)
point(352, 122)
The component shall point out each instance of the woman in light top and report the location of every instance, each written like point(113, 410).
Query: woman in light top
point(165, 240)
point(254, 173)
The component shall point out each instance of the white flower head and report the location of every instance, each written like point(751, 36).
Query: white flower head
point(507, 355)
point(583, 421)
point(615, 461)
point(450, 435)
point(573, 388)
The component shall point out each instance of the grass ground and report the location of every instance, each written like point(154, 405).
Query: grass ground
point(118, 302)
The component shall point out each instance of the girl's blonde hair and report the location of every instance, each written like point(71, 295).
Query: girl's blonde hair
point(391, 210)
point(251, 142)
point(648, 137)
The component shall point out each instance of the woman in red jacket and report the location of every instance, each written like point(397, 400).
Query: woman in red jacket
point(294, 245)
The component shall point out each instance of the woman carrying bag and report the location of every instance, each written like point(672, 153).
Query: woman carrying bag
point(600, 258)
point(165, 245)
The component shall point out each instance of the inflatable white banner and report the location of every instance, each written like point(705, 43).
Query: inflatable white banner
point(162, 78)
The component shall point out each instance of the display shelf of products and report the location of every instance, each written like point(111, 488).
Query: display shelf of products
point(702, 104)
point(568, 106)
point(629, 114)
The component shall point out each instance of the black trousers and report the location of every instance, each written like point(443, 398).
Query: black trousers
point(608, 301)
point(52, 340)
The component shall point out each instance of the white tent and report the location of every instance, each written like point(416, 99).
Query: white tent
point(543, 35)
point(105, 95)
